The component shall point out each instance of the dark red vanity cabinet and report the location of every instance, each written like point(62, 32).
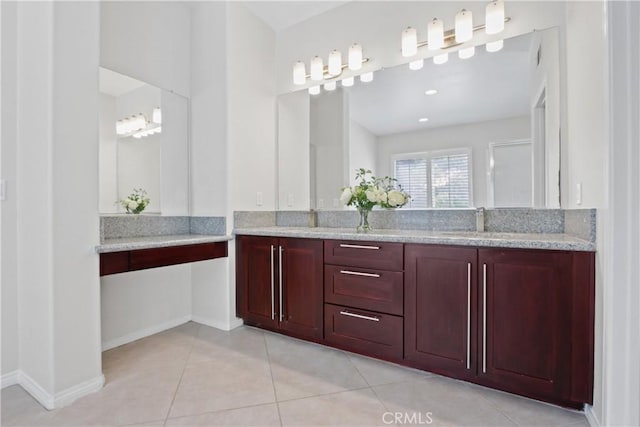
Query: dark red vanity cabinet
point(513, 319)
point(279, 284)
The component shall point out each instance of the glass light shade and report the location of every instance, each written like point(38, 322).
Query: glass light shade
point(141, 121)
point(464, 26)
point(441, 59)
point(348, 82)
point(330, 86)
point(466, 52)
point(314, 90)
point(494, 20)
point(335, 63)
point(409, 42)
point(435, 34)
point(366, 77)
point(156, 117)
point(317, 69)
point(495, 46)
point(416, 65)
point(299, 73)
point(355, 57)
point(120, 127)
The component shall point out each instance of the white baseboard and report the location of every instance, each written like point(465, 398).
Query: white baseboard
point(45, 398)
point(592, 417)
point(144, 333)
point(66, 397)
point(10, 379)
point(225, 326)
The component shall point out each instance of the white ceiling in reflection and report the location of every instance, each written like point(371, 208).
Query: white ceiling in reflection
point(488, 86)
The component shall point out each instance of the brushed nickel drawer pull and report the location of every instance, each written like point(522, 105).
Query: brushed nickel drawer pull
point(360, 316)
point(357, 273)
point(344, 245)
point(273, 303)
point(484, 318)
point(468, 315)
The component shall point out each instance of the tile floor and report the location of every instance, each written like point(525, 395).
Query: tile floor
point(194, 375)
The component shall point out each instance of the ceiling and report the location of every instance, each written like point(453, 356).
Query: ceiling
point(488, 86)
point(116, 84)
point(283, 14)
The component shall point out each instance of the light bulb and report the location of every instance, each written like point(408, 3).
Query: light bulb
point(299, 73)
point(441, 59)
point(355, 57)
point(409, 42)
point(314, 90)
point(467, 52)
point(348, 82)
point(335, 63)
point(494, 20)
point(366, 77)
point(317, 69)
point(495, 46)
point(464, 26)
point(330, 86)
point(156, 116)
point(416, 65)
point(435, 34)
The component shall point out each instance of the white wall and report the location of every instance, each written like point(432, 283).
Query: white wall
point(9, 207)
point(174, 154)
point(149, 41)
point(474, 135)
point(108, 155)
point(363, 150)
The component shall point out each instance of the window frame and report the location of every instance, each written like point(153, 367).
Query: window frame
point(428, 156)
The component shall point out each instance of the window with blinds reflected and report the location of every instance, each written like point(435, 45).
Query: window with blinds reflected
point(435, 179)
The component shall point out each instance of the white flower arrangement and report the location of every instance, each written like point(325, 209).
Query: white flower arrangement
point(372, 191)
point(135, 202)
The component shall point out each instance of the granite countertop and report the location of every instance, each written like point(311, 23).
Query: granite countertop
point(555, 241)
point(148, 242)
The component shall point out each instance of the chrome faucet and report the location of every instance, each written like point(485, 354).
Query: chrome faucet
point(480, 220)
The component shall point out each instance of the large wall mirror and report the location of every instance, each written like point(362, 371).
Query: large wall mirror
point(143, 145)
point(482, 131)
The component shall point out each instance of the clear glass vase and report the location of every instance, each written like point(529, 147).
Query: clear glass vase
point(363, 226)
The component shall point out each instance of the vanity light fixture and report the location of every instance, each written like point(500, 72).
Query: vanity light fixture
point(495, 46)
point(366, 77)
point(156, 115)
point(355, 57)
point(416, 65)
point(438, 39)
point(318, 72)
point(335, 63)
point(317, 69)
point(138, 126)
point(314, 90)
point(467, 52)
point(330, 86)
point(348, 82)
point(299, 73)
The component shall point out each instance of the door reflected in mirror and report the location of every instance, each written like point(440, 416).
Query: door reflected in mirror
point(143, 145)
point(482, 131)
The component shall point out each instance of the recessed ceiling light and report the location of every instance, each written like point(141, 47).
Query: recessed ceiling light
point(431, 92)
point(423, 119)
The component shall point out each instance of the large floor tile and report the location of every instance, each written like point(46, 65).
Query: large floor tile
point(528, 412)
point(377, 372)
point(20, 409)
point(262, 415)
point(213, 344)
point(223, 384)
point(302, 369)
point(350, 408)
point(447, 401)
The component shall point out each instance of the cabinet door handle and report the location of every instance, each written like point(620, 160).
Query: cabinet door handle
point(344, 245)
point(484, 318)
point(360, 316)
point(358, 273)
point(468, 315)
point(280, 280)
point(273, 302)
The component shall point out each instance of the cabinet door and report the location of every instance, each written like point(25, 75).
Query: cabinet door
point(525, 321)
point(440, 309)
point(302, 287)
point(256, 269)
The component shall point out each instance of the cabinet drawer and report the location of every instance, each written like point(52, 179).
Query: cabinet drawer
point(364, 331)
point(365, 288)
point(382, 256)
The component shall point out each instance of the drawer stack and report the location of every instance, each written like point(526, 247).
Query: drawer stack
point(363, 295)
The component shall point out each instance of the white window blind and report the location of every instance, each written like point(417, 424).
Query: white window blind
point(435, 180)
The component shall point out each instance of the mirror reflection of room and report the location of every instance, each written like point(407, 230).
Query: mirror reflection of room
point(479, 131)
